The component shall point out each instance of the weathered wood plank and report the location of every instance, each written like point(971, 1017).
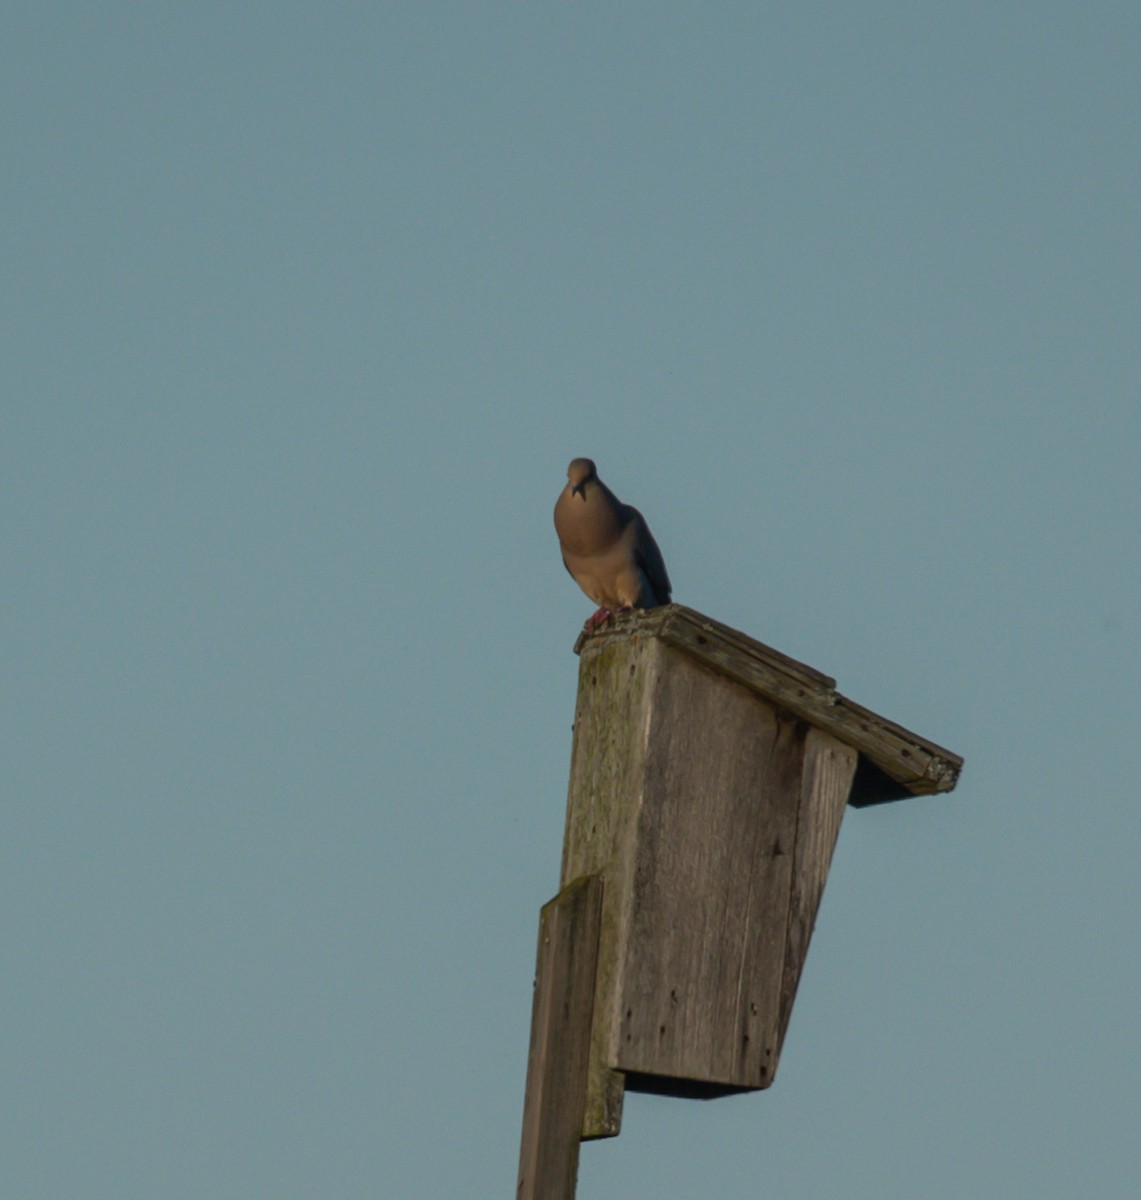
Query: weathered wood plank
point(603, 801)
point(920, 767)
point(829, 766)
point(560, 1042)
point(906, 763)
point(700, 999)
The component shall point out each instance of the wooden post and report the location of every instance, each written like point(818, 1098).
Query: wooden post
point(560, 1042)
point(709, 778)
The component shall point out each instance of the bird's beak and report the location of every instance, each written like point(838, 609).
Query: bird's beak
point(579, 489)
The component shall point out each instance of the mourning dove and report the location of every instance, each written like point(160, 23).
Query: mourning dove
point(607, 546)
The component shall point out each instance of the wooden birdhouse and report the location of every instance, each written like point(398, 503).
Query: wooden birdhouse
point(709, 776)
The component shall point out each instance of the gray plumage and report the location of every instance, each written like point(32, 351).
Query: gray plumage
point(607, 546)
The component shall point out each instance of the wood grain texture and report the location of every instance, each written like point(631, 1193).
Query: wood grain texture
point(701, 979)
point(829, 766)
point(560, 1042)
point(906, 764)
point(603, 801)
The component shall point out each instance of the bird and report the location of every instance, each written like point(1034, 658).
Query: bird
point(607, 547)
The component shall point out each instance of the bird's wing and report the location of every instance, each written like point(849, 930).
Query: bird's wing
point(649, 558)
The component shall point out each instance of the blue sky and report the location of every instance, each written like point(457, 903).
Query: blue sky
point(305, 309)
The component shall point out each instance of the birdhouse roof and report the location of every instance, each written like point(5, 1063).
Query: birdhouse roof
point(894, 761)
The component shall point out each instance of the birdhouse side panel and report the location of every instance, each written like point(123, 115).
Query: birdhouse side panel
point(607, 758)
point(607, 766)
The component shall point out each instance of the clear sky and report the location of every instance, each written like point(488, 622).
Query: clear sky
point(305, 309)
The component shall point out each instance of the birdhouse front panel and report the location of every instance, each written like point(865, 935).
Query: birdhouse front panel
point(712, 880)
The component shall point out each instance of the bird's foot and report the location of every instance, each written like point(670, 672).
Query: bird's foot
point(595, 622)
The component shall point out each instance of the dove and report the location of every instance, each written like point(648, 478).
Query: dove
point(607, 546)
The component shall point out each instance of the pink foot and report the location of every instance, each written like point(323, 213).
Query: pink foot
point(597, 620)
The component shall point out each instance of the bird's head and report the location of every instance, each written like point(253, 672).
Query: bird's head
point(579, 474)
